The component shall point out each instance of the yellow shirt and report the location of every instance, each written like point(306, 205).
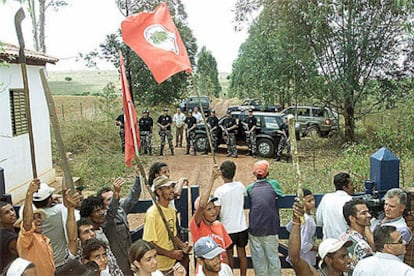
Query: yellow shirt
point(154, 231)
point(37, 249)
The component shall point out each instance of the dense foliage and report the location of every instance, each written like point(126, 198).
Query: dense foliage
point(332, 52)
point(207, 74)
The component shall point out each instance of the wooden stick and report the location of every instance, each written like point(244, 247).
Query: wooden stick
point(190, 239)
point(295, 159)
point(18, 18)
point(213, 155)
point(58, 136)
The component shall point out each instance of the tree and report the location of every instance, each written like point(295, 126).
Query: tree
point(37, 11)
point(353, 42)
point(141, 81)
point(207, 74)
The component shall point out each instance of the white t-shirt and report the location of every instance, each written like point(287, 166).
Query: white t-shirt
point(231, 199)
point(224, 271)
point(330, 216)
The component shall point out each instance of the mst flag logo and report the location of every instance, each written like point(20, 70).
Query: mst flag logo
point(160, 37)
point(154, 37)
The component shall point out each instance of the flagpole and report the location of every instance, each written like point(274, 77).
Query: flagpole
point(213, 155)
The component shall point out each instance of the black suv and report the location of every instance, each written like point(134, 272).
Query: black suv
point(315, 120)
point(267, 139)
point(192, 101)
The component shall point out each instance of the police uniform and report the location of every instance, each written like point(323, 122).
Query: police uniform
point(213, 123)
point(227, 124)
point(284, 142)
point(190, 121)
point(145, 132)
point(248, 123)
point(165, 120)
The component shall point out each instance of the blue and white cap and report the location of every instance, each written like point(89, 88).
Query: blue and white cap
point(207, 248)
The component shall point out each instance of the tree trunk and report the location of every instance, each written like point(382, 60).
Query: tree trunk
point(32, 13)
point(42, 23)
point(349, 112)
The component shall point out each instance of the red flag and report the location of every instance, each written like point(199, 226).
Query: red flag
point(132, 141)
point(154, 37)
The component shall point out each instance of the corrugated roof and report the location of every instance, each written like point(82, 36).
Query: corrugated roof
point(10, 53)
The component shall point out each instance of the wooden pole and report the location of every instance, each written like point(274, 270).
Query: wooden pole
point(18, 18)
point(213, 155)
point(295, 159)
point(56, 129)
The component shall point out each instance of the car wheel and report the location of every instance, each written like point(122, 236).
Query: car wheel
point(265, 148)
point(200, 142)
point(313, 132)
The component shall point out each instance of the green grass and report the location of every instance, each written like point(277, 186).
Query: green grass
point(82, 83)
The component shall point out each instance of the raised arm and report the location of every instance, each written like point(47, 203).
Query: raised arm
point(134, 193)
point(34, 186)
point(113, 206)
point(70, 201)
point(300, 266)
point(215, 173)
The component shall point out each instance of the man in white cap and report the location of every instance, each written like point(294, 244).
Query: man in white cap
point(208, 254)
point(333, 252)
point(53, 226)
point(170, 250)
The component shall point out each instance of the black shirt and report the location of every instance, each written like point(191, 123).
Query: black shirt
point(228, 123)
point(212, 121)
point(250, 121)
point(145, 124)
point(190, 121)
point(165, 120)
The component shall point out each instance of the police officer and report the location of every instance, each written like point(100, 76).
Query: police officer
point(213, 124)
point(229, 126)
point(119, 121)
point(284, 141)
point(249, 126)
point(164, 122)
point(145, 131)
point(190, 125)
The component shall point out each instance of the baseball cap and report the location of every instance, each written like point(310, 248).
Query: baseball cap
point(331, 246)
point(190, 111)
point(210, 199)
point(44, 192)
point(42, 213)
point(207, 248)
point(261, 168)
point(165, 109)
point(162, 181)
point(250, 110)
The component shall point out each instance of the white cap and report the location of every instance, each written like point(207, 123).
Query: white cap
point(330, 246)
point(17, 267)
point(44, 192)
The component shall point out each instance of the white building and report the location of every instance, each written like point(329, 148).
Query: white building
point(14, 138)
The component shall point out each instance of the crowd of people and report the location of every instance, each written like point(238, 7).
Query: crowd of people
point(186, 124)
point(73, 235)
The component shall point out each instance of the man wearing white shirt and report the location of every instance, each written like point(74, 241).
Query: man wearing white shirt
point(329, 214)
point(197, 115)
point(178, 119)
point(389, 244)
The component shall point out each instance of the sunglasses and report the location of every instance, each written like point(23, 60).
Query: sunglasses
point(400, 241)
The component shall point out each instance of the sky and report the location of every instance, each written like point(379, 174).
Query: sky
point(83, 25)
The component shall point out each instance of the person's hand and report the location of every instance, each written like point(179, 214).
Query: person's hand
point(57, 199)
point(70, 200)
point(34, 186)
point(118, 183)
point(215, 172)
point(187, 248)
point(298, 210)
point(177, 254)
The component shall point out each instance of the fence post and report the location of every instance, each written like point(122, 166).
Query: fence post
point(81, 109)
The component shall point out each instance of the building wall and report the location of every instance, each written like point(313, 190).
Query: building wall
point(15, 151)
